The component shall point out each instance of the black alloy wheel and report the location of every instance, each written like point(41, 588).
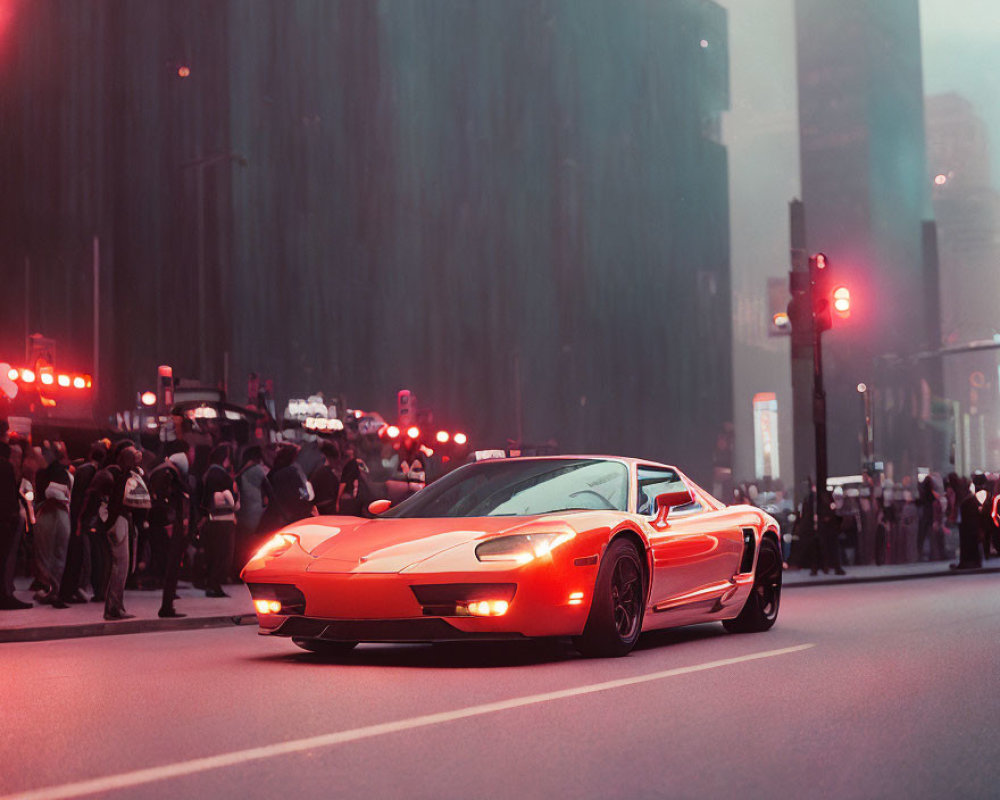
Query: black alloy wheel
point(760, 611)
point(626, 596)
point(615, 619)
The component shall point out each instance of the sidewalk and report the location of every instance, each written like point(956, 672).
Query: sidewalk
point(87, 619)
point(44, 622)
point(889, 572)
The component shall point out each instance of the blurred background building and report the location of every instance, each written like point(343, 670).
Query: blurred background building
point(967, 210)
point(519, 210)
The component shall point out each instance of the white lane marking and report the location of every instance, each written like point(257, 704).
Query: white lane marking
point(141, 776)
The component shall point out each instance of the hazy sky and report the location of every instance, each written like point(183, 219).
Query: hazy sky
point(961, 53)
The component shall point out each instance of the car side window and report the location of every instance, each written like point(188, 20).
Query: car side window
point(653, 481)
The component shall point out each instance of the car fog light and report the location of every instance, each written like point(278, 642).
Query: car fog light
point(488, 608)
point(267, 606)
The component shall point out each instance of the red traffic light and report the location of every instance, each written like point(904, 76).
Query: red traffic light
point(842, 301)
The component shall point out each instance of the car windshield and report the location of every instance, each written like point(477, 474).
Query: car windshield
point(521, 488)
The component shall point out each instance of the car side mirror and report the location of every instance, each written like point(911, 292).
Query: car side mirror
point(668, 500)
point(376, 507)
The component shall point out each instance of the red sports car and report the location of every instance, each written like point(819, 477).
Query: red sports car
point(596, 548)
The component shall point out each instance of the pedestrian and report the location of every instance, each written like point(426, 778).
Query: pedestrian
point(991, 516)
point(250, 482)
point(10, 529)
point(94, 524)
point(170, 494)
point(353, 490)
point(120, 530)
point(289, 494)
point(969, 527)
point(79, 543)
point(53, 486)
point(925, 504)
point(325, 479)
point(219, 501)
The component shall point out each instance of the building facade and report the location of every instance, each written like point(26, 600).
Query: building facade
point(967, 211)
point(519, 210)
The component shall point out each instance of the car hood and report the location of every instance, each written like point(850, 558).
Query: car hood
point(348, 544)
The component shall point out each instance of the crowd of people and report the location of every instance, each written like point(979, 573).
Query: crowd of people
point(126, 516)
point(878, 521)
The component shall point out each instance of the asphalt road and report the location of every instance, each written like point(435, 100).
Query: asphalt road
point(877, 690)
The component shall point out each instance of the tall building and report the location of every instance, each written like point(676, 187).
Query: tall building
point(761, 135)
point(865, 190)
point(519, 210)
point(967, 211)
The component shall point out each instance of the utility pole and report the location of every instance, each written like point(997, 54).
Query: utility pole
point(801, 330)
point(97, 312)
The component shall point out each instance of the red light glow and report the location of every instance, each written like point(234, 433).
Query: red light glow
point(413, 432)
point(48, 378)
point(442, 436)
point(392, 432)
point(79, 383)
point(63, 380)
point(183, 71)
point(12, 374)
point(460, 438)
point(27, 376)
point(842, 300)
point(148, 398)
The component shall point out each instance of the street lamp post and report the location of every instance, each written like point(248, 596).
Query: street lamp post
point(199, 165)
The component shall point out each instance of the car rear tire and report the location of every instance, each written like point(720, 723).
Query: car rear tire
point(615, 618)
point(325, 648)
point(761, 608)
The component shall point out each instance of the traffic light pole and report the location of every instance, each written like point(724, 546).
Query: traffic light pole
point(809, 315)
point(819, 425)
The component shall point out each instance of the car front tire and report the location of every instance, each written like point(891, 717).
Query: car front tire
point(615, 618)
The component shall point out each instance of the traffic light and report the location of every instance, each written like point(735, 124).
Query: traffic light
point(819, 280)
point(842, 302)
point(779, 322)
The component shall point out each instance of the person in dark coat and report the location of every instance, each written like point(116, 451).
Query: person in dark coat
point(119, 533)
point(79, 542)
point(219, 499)
point(93, 524)
point(169, 489)
point(969, 526)
point(289, 495)
point(353, 495)
point(10, 531)
point(325, 480)
point(925, 501)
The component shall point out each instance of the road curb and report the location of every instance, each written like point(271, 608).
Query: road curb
point(841, 580)
point(115, 628)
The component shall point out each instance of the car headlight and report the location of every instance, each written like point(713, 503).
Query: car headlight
point(276, 545)
point(520, 548)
